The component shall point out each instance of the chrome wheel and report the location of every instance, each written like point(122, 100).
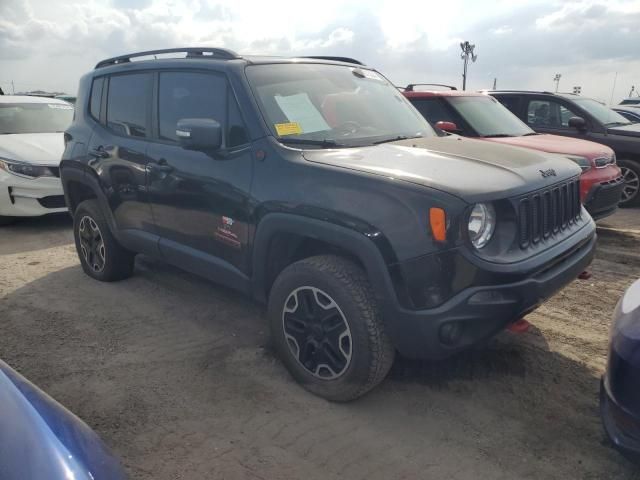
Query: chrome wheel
point(631, 184)
point(317, 333)
point(91, 244)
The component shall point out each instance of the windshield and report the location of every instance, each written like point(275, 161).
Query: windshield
point(333, 105)
point(34, 117)
point(601, 113)
point(488, 117)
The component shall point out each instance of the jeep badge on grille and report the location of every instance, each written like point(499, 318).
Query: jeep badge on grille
point(548, 173)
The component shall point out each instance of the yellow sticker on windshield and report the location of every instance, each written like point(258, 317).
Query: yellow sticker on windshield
point(291, 128)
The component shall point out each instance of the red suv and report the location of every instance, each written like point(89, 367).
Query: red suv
point(482, 116)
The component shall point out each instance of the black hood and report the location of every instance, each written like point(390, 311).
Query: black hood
point(473, 170)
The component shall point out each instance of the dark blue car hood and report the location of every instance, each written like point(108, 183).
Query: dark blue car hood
point(40, 439)
point(632, 130)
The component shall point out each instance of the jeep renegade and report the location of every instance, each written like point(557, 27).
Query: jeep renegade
point(313, 185)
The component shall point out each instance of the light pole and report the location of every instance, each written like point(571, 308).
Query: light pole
point(467, 53)
point(557, 80)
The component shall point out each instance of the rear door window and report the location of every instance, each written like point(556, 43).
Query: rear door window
point(128, 104)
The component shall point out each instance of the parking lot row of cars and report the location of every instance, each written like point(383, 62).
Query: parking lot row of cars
point(312, 185)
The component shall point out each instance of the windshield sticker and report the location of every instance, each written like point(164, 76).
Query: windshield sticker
point(291, 128)
point(299, 109)
point(59, 106)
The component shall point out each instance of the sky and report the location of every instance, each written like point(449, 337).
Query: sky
point(49, 44)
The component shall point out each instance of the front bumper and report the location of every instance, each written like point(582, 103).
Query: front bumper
point(603, 198)
point(25, 197)
point(479, 312)
point(622, 428)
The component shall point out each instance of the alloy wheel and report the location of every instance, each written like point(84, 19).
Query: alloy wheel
point(317, 333)
point(631, 184)
point(91, 244)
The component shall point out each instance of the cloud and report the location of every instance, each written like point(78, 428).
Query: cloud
point(522, 43)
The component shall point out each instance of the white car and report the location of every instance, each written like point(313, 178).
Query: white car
point(31, 144)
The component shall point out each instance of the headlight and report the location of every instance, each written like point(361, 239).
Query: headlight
point(602, 162)
point(482, 224)
point(582, 162)
point(26, 169)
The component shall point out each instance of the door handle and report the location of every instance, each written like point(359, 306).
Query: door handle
point(99, 152)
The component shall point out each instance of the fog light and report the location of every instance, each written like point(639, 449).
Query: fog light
point(450, 333)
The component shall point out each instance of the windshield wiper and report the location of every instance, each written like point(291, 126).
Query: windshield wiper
point(529, 134)
point(395, 139)
point(326, 143)
point(498, 135)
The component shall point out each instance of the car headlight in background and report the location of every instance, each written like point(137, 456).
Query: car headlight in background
point(26, 169)
point(582, 162)
point(482, 224)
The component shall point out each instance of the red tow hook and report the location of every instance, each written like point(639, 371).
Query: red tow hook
point(519, 326)
point(586, 275)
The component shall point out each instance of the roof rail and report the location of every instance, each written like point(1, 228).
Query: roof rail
point(217, 53)
point(335, 59)
point(410, 87)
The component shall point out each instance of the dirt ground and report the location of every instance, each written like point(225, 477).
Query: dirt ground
point(177, 377)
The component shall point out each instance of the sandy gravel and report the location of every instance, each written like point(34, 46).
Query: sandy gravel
point(177, 377)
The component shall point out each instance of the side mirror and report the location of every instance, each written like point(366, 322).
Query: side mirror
point(447, 126)
point(199, 134)
point(578, 123)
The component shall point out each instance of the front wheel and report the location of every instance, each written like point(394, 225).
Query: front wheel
point(101, 256)
point(631, 190)
point(327, 328)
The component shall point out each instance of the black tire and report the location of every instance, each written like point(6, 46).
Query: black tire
point(339, 287)
point(101, 256)
point(7, 220)
point(631, 172)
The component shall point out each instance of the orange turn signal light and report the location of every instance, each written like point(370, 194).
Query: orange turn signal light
point(438, 222)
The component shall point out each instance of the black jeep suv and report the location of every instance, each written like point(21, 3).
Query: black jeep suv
point(312, 185)
point(581, 117)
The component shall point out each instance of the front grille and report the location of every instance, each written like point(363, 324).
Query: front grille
point(547, 212)
point(53, 201)
point(55, 171)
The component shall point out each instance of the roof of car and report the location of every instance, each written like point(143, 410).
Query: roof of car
point(535, 92)
point(440, 93)
point(217, 55)
point(29, 99)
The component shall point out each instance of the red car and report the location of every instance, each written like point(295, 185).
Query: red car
point(482, 116)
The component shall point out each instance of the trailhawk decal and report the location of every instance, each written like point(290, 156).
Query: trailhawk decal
point(225, 233)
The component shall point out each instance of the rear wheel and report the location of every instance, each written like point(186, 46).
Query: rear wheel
point(327, 328)
point(631, 191)
point(101, 256)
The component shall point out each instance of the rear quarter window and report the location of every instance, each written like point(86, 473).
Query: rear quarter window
point(96, 97)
